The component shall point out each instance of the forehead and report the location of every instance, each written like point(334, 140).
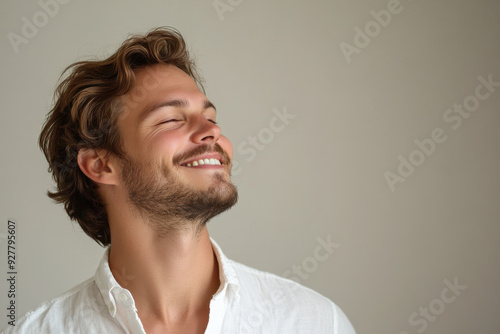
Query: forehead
point(155, 83)
point(161, 78)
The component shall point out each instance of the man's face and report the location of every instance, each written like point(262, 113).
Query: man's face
point(177, 164)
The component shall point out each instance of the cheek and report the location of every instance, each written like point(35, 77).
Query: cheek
point(165, 145)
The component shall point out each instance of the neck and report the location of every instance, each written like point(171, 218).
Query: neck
point(172, 278)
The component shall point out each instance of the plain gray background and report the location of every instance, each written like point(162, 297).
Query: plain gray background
point(319, 175)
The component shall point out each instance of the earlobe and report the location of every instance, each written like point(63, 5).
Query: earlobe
point(97, 166)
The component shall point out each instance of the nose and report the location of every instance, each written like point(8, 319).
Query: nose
point(206, 132)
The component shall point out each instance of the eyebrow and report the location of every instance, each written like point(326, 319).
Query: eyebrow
point(177, 103)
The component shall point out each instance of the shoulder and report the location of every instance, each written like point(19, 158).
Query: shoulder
point(280, 290)
point(265, 283)
point(62, 314)
point(274, 297)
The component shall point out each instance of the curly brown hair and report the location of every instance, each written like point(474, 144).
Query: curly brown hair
point(85, 114)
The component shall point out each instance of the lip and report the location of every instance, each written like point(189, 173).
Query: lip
point(204, 156)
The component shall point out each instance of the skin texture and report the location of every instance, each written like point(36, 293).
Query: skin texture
point(160, 253)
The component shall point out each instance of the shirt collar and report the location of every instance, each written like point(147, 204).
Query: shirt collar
point(227, 275)
point(106, 283)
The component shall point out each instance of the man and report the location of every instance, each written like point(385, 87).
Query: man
point(141, 164)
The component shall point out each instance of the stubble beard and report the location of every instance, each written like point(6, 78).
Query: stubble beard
point(168, 204)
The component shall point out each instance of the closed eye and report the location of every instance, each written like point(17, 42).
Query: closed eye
point(169, 121)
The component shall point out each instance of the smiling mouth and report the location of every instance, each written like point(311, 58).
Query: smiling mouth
point(203, 162)
point(204, 157)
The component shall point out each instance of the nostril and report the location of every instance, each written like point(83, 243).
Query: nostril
point(208, 138)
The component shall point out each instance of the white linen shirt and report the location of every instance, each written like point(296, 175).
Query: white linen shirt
point(247, 301)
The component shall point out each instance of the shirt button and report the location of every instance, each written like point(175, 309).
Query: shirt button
point(123, 297)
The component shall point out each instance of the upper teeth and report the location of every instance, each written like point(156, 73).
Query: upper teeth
point(203, 162)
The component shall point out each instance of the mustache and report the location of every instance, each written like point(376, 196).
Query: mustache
point(202, 150)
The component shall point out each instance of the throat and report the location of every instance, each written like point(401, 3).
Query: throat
point(174, 280)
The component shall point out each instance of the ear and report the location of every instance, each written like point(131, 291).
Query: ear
point(98, 166)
